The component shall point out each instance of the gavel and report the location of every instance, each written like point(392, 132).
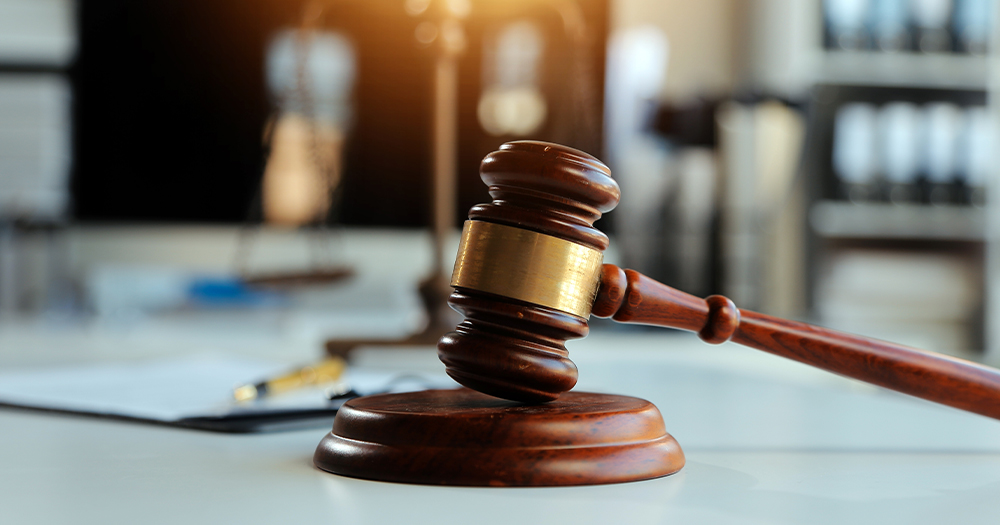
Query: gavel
point(529, 273)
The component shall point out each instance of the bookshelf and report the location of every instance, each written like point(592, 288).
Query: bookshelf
point(791, 54)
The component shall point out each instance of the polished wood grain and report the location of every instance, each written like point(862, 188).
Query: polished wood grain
point(548, 188)
point(541, 434)
point(630, 297)
point(461, 437)
point(509, 348)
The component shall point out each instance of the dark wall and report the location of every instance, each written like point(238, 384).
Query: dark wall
point(169, 104)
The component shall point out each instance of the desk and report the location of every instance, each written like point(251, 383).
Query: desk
point(767, 441)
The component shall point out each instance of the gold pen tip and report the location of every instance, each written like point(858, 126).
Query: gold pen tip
point(245, 393)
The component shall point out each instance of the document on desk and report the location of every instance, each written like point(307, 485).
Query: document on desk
point(191, 392)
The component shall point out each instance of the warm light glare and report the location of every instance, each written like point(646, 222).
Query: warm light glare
point(416, 7)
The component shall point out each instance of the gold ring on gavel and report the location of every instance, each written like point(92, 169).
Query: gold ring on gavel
point(528, 266)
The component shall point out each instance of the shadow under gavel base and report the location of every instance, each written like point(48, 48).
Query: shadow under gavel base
point(462, 437)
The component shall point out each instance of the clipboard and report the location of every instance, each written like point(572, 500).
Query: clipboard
point(191, 392)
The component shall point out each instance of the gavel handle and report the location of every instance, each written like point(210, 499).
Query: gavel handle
point(630, 297)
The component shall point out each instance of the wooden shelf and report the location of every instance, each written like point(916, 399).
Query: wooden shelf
point(835, 219)
point(903, 69)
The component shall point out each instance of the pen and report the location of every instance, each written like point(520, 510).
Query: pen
point(325, 371)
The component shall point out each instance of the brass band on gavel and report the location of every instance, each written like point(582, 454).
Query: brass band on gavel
point(528, 266)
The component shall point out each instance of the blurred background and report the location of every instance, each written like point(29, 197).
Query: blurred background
point(302, 167)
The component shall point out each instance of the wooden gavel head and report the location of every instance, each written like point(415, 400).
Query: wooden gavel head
point(527, 271)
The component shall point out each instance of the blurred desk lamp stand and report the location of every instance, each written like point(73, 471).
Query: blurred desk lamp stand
point(441, 30)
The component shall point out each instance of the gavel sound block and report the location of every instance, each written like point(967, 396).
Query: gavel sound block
point(528, 275)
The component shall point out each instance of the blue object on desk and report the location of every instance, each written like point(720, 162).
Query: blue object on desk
point(215, 291)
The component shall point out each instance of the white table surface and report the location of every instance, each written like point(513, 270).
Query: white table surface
point(767, 441)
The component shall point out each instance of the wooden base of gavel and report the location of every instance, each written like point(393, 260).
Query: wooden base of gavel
point(527, 276)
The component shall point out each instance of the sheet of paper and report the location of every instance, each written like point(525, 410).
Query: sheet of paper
point(177, 388)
